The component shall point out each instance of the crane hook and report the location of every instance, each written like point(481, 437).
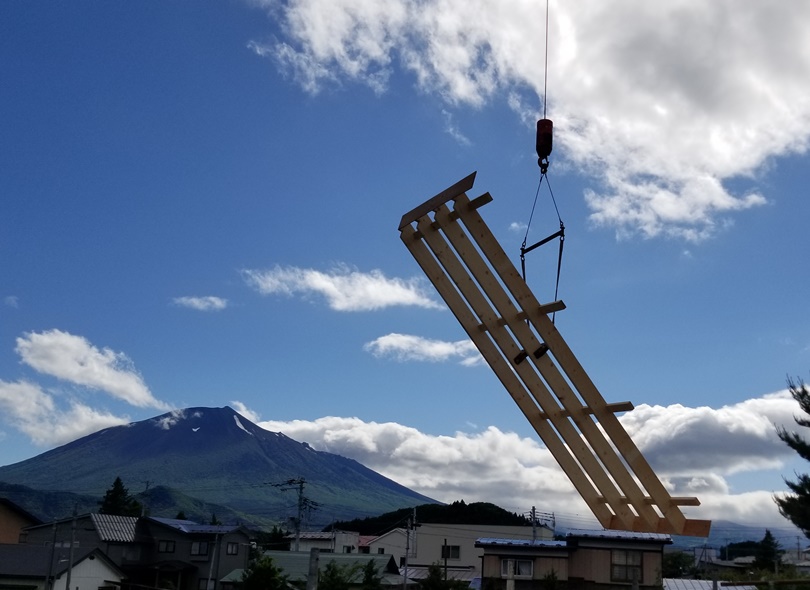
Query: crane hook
point(544, 143)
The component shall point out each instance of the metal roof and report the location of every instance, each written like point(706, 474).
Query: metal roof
point(520, 542)
point(295, 564)
point(621, 535)
point(188, 526)
point(680, 584)
point(111, 527)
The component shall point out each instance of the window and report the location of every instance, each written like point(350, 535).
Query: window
point(232, 548)
point(165, 546)
point(522, 567)
point(347, 548)
point(451, 552)
point(381, 550)
point(625, 566)
point(199, 548)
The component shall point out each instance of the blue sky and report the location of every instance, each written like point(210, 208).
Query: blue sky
point(200, 204)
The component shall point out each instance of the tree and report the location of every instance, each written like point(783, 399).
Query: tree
point(676, 564)
point(262, 574)
point(371, 577)
point(768, 554)
point(337, 577)
point(118, 501)
point(795, 506)
point(435, 580)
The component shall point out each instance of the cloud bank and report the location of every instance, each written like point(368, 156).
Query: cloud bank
point(694, 454)
point(58, 415)
point(661, 104)
point(344, 288)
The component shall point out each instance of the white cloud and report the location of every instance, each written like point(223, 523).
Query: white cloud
point(406, 347)
point(74, 359)
point(693, 450)
point(660, 103)
point(243, 410)
point(11, 301)
point(207, 303)
point(33, 412)
point(452, 129)
point(345, 289)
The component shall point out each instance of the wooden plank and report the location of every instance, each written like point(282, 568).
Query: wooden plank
point(502, 370)
point(462, 186)
point(568, 362)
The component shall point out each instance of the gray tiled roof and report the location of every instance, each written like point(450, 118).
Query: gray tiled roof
point(112, 528)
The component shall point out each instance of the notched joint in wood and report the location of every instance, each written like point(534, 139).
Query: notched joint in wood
point(521, 357)
point(541, 350)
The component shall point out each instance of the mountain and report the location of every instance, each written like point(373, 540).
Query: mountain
point(218, 459)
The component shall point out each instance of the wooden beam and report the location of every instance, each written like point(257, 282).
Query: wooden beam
point(462, 186)
point(614, 407)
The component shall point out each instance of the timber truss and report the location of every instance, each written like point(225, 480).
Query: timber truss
point(487, 295)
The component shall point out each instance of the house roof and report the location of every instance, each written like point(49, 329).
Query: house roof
point(295, 564)
point(462, 574)
point(188, 526)
point(519, 542)
point(680, 584)
point(312, 536)
point(14, 507)
point(113, 528)
point(618, 535)
point(21, 560)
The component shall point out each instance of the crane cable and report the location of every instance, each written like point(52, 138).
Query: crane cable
point(543, 147)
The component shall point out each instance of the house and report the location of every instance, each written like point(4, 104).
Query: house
point(13, 519)
point(296, 566)
point(188, 556)
point(585, 560)
point(152, 551)
point(116, 536)
point(452, 546)
point(29, 567)
point(326, 542)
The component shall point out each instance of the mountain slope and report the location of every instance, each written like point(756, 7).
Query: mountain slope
point(217, 456)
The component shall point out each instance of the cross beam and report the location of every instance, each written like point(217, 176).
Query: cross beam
point(461, 257)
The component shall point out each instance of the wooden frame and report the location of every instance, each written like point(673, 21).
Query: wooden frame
point(511, 329)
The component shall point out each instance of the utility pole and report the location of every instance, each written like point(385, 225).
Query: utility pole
point(407, 551)
point(70, 552)
point(49, 584)
point(411, 525)
point(534, 525)
point(304, 503)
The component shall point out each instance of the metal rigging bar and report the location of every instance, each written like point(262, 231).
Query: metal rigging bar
point(501, 315)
